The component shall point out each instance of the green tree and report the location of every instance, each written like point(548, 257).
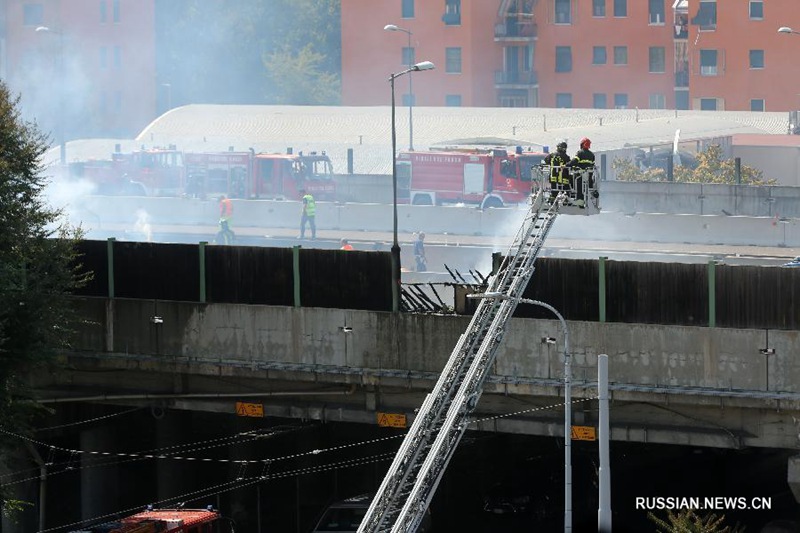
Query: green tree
point(687, 521)
point(38, 270)
point(711, 168)
point(298, 80)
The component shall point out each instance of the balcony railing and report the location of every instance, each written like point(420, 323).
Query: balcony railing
point(510, 77)
point(514, 29)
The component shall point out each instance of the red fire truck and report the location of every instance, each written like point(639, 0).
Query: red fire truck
point(251, 175)
point(169, 172)
point(165, 521)
point(146, 172)
point(488, 178)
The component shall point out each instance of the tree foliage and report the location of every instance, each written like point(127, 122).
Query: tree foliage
point(38, 266)
point(687, 521)
point(249, 51)
point(711, 168)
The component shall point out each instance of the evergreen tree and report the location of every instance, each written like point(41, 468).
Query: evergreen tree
point(687, 521)
point(38, 270)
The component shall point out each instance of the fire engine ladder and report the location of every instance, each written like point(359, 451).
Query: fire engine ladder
point(411, 481)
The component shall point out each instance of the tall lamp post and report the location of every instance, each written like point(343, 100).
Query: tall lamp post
point(392, 27)
point(424, 65)
point(61, 103)
point(567, 400)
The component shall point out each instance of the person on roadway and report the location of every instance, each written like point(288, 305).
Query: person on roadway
point(308, 216)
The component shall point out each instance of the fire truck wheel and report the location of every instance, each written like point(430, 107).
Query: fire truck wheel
point(492, 202)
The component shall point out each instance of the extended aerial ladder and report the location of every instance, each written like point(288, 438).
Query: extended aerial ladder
point(403, 497)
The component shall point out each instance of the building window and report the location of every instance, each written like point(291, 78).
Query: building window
point(599, 55)
point(756, 58)
point(620, 8)
point(706, 16)
point(620, 55)
point(117, 57)
point(621, 101)
point(452, 100)
point(658, 101)
point(564, 100)
point(453, 60)
point(563, 59)
point(563, 11)
point(757, 13)
point(409, 100)
point(115, 8)
point(708, 62)
point(409, 56)
point(708, 104)
point(103, 11)
point(407, 9)
point(657, 59)
point(598, 8)
point(117, 101)
point(656, 11)
point(599, 101)
point(452, 12)
point(103, 57)
point(32, 14)
point(757, 104)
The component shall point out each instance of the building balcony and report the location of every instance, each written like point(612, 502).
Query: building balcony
point(509, 78)
point(515, 30)
point(682, 79)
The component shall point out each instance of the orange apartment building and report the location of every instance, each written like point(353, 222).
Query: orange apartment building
point(84, 68)
point(648, 54)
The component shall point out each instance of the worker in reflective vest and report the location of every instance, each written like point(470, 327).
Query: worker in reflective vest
point(308, 216)
point(225, 209)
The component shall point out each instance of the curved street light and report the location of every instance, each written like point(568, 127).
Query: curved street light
point(424, 65)
point(787, 29)
point(393, 27)
point(567, 399)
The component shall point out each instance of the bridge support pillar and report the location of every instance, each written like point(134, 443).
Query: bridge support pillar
point(793, 476)
point(99, 486)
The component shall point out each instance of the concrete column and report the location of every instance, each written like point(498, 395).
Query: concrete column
point(171, 430)
point(99, 485)
point(793, 476)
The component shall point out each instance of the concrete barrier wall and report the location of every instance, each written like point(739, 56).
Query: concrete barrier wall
point(646, 355)
point(97, 212)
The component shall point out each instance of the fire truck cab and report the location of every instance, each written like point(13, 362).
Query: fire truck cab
point(488, 178)
point(282, 176)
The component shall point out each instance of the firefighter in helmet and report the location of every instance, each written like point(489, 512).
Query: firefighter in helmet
point(583, 162)
point(559, 173)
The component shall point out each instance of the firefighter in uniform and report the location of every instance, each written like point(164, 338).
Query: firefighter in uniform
point(583, 161)
point(559, 173)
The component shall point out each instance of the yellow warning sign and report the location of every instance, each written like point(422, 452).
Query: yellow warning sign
point(250, 409)
point(391, 420)
point(583, 433)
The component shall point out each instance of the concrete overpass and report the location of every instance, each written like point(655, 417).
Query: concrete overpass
point(697, 386)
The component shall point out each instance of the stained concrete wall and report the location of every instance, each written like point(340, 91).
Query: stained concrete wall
point(721, 389)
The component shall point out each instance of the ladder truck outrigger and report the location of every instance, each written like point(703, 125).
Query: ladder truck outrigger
point(407, 489)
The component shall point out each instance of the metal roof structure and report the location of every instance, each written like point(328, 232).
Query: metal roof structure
point(367, 130)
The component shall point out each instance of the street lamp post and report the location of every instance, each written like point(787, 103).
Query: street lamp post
point(567, 400)
point(424, 65)
point(392, 27)
point(61, 103)
point(786, 29)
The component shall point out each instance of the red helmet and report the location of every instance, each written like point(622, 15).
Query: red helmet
point(586, 143)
